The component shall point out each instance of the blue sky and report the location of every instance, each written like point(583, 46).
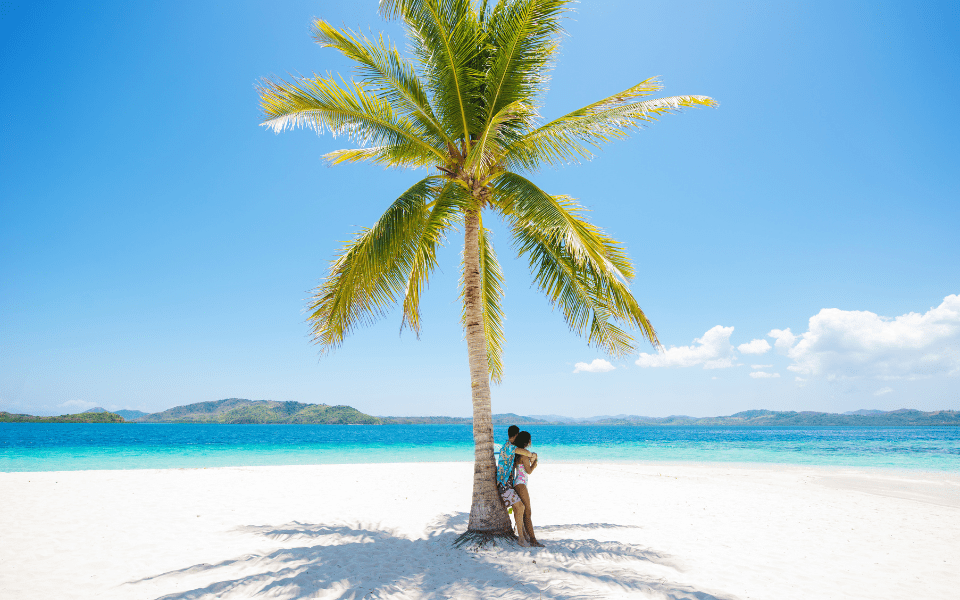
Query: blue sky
point(157, 245)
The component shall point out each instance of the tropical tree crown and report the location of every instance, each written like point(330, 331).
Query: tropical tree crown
point(467, 108)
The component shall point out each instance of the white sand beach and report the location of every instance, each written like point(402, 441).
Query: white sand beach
point(385, 531)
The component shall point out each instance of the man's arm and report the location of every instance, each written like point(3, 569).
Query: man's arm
point(524, 452)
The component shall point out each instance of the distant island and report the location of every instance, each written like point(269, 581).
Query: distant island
point(231, 411)
point(864, 418)
point(498, 419)
point(98, 417)
point(769, 418)
point(128, 415)
point(239, 411)
point(131, 415)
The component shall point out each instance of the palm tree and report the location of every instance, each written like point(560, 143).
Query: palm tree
point(466, 109)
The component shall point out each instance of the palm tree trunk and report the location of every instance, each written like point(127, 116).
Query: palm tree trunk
point(488, 517)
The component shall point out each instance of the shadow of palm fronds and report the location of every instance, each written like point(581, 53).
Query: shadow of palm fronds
point(365, 561)
point(584, 527)
point(328, 534)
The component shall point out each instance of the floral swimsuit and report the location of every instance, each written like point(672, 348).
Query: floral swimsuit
point(521, 476)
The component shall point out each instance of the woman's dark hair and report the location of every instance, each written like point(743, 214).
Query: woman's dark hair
point(522, 440)
point(512, 431)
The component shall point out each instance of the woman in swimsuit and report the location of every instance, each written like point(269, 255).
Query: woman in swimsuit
point(505, 470)
point(525, 466)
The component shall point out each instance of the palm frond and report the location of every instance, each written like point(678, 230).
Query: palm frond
point(576, 135)
point(397, 155)
point(524, 36)
point(447, 37)
point(445, 213)
point(581, 269)
point(382, 67)
point(591, 299)
point(371, 270)
point(491, 303)
point(396, 9)
point(499, 132)
point(322, 104)
point(520, 200)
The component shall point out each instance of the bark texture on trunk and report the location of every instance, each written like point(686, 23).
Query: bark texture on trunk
point(487, 513)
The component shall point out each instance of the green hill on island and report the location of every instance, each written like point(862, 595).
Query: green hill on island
point(132, 415)
point(239, 411)
point(87, 417)
point(128, 415)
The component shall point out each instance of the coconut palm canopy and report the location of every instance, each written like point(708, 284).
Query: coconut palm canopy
point(466, 108)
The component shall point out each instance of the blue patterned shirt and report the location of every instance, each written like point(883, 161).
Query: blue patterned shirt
point(505, 464)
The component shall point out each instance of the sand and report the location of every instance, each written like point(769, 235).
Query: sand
point(385, 531)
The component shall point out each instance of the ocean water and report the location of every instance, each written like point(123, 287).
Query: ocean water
point(72, 447)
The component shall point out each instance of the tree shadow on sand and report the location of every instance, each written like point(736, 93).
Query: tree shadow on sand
point(367, 561)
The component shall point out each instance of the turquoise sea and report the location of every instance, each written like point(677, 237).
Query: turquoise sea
point(73, 447)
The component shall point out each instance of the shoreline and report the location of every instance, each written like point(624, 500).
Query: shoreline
point(434, 456)
point(587, 462)
point(711, 530)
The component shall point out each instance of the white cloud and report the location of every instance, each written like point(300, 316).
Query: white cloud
point(763, 375)
point(713, 351)
point(861, 344)
point(77, 405)
point(597, 366)
point(755, 347)
point(785, 339)
point(760, 366)
point(883, 391)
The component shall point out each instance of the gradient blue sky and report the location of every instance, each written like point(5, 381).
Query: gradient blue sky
point(157, 246)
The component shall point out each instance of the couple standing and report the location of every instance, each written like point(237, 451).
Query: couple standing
point(515, 463)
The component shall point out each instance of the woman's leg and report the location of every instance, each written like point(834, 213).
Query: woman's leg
point(527, 513)
point(518, 513)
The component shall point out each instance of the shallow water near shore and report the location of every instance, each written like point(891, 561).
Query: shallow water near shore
point(73, 447)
